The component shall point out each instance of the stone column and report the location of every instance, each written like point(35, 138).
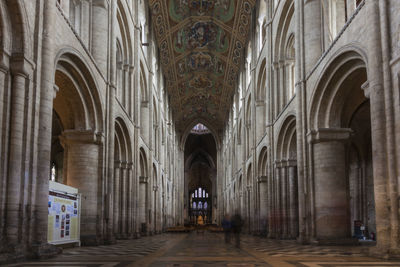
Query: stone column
point(100, 22)
point(21, 69)
point(83, 173)
point(282, 87)
point(275, 90)
point(278, 201)
point(332, 220)
point(131, 201)
point(285, 197)
point(262, 183)
point(143, 183)
point(293, 199)
point(271, 200)
point(4, 111)
point(85, 22)
point(312, 33)
point(117, 192)
point(155, 207)
point(124, 197)
point(44, 130)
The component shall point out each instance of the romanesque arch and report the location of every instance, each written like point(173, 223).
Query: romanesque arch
point(78, 113)
point(143, 191)
point(342, 149)
point(284, 61)
point(123, 181)
point(286, 180)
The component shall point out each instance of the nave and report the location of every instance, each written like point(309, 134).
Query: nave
point(209, 249)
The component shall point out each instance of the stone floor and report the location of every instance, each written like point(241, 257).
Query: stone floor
point(209, 249)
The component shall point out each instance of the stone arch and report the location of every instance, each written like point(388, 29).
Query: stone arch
point(248, 126)
point(205, 123)
point(263, 161)
point(14, 31)
point(144, 105)
point(341, 143)
point(283, 64)
point(122, 179)
point(77, 97)
point(143, 84)
point(261, 90)
point(79, 109)
point(329, 96)
point(286, 171)
point(263, 192)
point(286, 148)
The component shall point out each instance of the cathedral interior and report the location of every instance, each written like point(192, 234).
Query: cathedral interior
point(144, 132)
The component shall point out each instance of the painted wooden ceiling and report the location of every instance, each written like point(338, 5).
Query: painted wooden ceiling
point(201, 44)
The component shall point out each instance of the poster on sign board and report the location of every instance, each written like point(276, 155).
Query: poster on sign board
point(63, 216)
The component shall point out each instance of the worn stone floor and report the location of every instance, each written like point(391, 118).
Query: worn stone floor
point(209, 249)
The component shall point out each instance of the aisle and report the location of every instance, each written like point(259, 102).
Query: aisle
point(209, 249)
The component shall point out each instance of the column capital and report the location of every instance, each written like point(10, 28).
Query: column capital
point(143, 179)
point(82, 137)
point(262, 179)
point(100, 3)
point(367, 89)
point(124, 165)
point(155, 188)
point(329, 134)
point(278, 163)
point(21, 65)
point(130, 165)
point(117, 164)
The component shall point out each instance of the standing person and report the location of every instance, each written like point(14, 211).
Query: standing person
point(226, 224)
point(237, 228)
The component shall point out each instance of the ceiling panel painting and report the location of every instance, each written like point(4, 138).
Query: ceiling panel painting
point(201, 47)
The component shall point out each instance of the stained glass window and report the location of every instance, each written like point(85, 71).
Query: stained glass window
point(200, 205)
point(195, 193)
point(194, 205)
point(206, 195)
point(205, 205)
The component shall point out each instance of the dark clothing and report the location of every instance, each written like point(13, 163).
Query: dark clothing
point(237, 224)
point(226, 224)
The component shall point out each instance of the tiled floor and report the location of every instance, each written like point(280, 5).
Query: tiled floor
point(209, 249)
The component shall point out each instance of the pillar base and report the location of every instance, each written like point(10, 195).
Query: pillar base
point(336, 242)
point(110, 241)
point(90, 240)
point(12, 253)
point(384, 253)
point(45, 251)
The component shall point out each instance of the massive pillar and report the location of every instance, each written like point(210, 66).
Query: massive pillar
point(331, 195)
point(284, 210)
point(99, 37)
point(124, 197)
point(293, 199)
point(143, 183)
point(116, 205)
point(83, 173)
point(21, 69)
point(312, 33)
point(263, 198)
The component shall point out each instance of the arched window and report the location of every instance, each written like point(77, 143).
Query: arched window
point(194, 205)
point(53, 172)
